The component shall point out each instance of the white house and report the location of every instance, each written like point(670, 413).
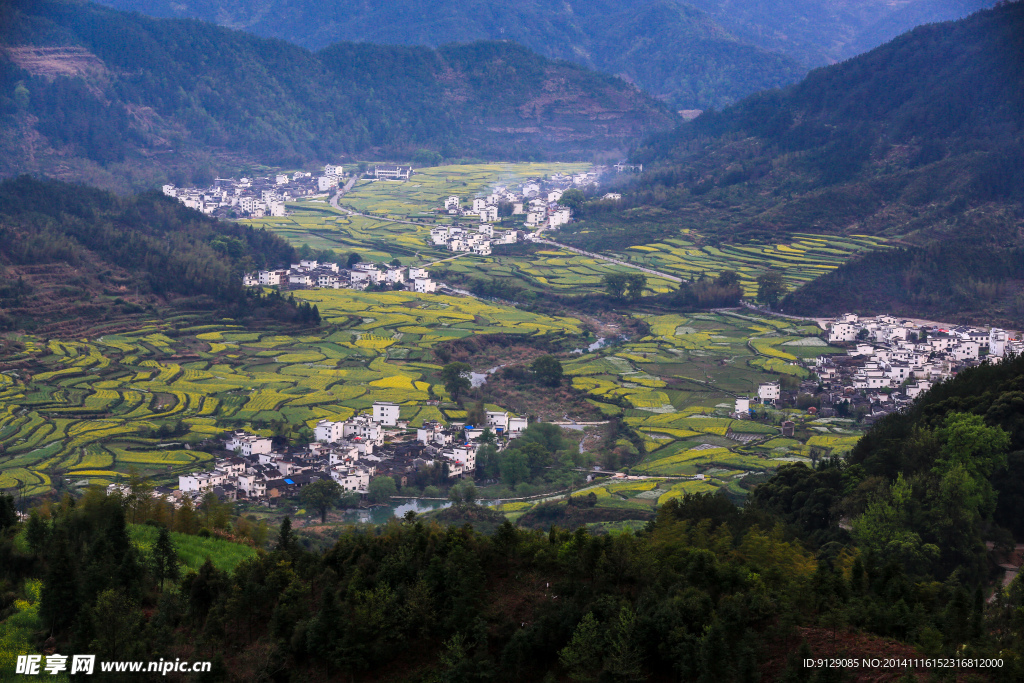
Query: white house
point(248, 444)
point(333, 170)
point(424, 286)
point(418, 274)
point(254, 485)
point(326, 182)
point(354, 478)
point(385, 413)
point(742, 406)
point(392, 172)
point(516, 426)
point(843, 332)
point(997, 339)
point(272, 278)
point(769, 391)
point(452, 202)
point(281, 179)
point(497, 420)
point(328, 432)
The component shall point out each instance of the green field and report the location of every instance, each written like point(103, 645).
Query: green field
point(95, 410)
point(677, 388)
point(314, 223)
point(194, 550)
point(800, 260)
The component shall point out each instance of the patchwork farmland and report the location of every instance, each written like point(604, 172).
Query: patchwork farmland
point(144, 401)
point(316, 224)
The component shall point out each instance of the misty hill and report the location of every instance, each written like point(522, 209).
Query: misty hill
point(668, 48)
point(74, 256)
point(89, 93)
point(817, 32)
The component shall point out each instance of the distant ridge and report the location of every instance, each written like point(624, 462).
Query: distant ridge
point(121, 100)
point(669, 48)
point(921, 139)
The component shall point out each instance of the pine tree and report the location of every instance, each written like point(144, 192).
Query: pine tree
point(165, 558)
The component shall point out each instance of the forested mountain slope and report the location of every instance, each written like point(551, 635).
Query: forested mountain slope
point(666, 47)
point(73, 255)
point(921, 138)
point(89, 93)
point(819, 32)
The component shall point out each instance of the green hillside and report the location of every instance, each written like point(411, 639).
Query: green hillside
point(72, 255)
point(668, 48)
point(194, 550)
point(919, 140)
point(89, 93)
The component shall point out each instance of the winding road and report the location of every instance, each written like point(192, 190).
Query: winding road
point(348, 186)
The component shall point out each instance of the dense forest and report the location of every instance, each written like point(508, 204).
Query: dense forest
point(116, 99)
point(910, 136)
point(668, 48)
point(882, 555)
point(70, 252)
point(960, 279)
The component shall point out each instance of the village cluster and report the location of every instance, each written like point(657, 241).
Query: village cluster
point(889, 362)
point(350, 453)
point(317, 275)
point(536, 199)
point(266, 195)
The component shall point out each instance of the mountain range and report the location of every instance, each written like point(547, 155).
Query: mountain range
point(695, 54)
point(121, 100)
point(919, 140)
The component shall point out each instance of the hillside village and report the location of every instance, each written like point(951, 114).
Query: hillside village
point(309, 274)
point(350, 453)
point(535, 199)
point(889, 362)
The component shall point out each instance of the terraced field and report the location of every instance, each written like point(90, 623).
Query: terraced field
point(315, 223)
point(551, 270)
point(677, 388)
point(145, 401)
point(801, 260)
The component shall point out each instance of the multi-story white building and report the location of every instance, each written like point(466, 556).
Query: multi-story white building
point(385, 172)
point(248, 444)
point(272, 278)
point(385, 413)
point(997, 339)
point(326, 182)
point(329, 432)
point(424, 286)
point(769, 391)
